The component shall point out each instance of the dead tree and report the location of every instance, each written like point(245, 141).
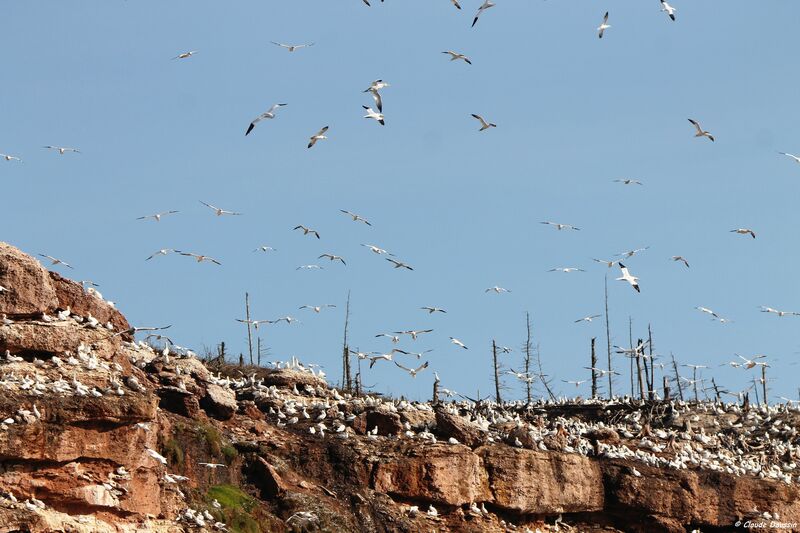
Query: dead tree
point(764, 383)
point(594, 374)
point(651, 388)
point(608, 343)
point(755, 388)
point(541, 375)
point(694, 383)
point(716, 390)
point(677, 376)
point(666, 389)
point(639, 352)
point(496, 373)
point(249, 332)
point(528, 349)
point(435, 400)
point(347, 382)
point(630, 343)
point(258, 351)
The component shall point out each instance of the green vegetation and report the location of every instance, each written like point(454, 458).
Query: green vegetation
point(236, 508)
point(213, 438)
point(230, 453)
point(173, 452)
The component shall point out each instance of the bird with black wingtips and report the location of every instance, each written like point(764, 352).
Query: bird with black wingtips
point(268, 114)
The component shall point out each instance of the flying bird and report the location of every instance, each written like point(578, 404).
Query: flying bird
point(309, 267)
point(576, 383)
point(376, 249)
point(317, 308)
point(355, 217)
point(432, 310)
point(566, 270)
point(163, 251)
point(603, 26)
point(559, 227)
point(317, 137)
point(199, 257)
point(484, 125)
point(157, 216)
point(629, 182)
point(413, 333)
point(184, 55)
point(484, 6)
point(55, 261)
point(668, 9)
point(332, 258)
point(455, 3)
point(626, 276)
point(394, 338)
point(700, 131)
point(10, 157)
point(413, 371)
point(292, 47)
point(219, 212)
point(254, 323)
point(744, 231)
point(62, 150)
point(265, 249)
point(455, 55)
point(376, 85)
point(378, 100)
point(796, 159)
point(682, 259)
point(399, 264)
point(457, 342)
point(306, 230)
point(588, 318)
point(374, 115)
point(707, 311)
point(609, 264)
point(269, 114)
point(765, 309)
point(631, 253)
point(496, 289)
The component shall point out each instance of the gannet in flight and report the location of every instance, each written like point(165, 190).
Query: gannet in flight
point(10, 157)
point(317, 137)
point(626, 276)
point(163, 251)
point(157, 216)
point(55, 261)
point(576, 383)
point(376, 249)
point(496, 289)
point(457, 342)
point(601, 371)
point(413, 333)
point(796, 159)
point(356, 218)
point(270, 113)
point(157, 456)
point(744, 231)
point(399, 264)
point(394, 338)
point(62, 150)
point(432, 310)
point(292, 47)
point(566, 270)
point(219, 212)
point(373, 115)
point(561, 226)
point(682, 259)
point(377, 97)
point(484, 125)
point(455, 3)
point(456, 55)
point(629, 182)
point(200, 258)
point(376, 85)
point(609, 264)
point(333, 258)
point(309, 267)
point(765, 309)
point(668, 9)
point(603, 26)
point(265, 249)
point(700, 131)
point(184, 55)
point(484, 6)
point(413, 371)
point(707, 311)
point(306, 230)
point(631, 253)
point(254, 323)
point(588, 318)
point(317, 308)
point(212, 465)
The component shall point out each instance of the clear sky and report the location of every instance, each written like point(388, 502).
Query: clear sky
point(573, 113)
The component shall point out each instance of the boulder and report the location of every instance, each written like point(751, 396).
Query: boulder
point(29, 289)
point(453, 426)
point(71, 294)
point(218, 402)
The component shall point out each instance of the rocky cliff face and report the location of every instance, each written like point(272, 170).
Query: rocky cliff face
point(100, 433)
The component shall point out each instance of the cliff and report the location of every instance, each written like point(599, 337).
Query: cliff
point(103, 433)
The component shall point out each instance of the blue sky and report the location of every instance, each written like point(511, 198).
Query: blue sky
point(463, 207)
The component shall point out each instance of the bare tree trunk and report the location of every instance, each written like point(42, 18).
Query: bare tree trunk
point(249, 333)
point(694, 383)
point(639, 350)
point(651, 388)
point(542, 377)
point(716, 390)
point(258, 351)
point(677, 376)
point(630, 343)
point(528, 348)
point(436, 390)
point(755, 388)
point(347, 382)
point(608, 343)
point(764, 383)
point(594, 365)
point(666, 389)
point(496, 373)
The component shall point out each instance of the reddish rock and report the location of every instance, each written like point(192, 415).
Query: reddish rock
point(44, 339)
point(387, 423)
point(29, 288)
point(219, 402)
point(453, 426)
point(71, 294)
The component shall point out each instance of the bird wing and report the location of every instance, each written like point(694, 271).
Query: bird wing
point(377, 97)
point(483, 122)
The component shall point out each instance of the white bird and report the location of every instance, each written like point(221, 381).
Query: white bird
point(796, 159)
point(609, 264)
point(157, 216)
point(700, 131)
point(399, 264)
point(631, 253)
point(317, 308)
point(377, 97)
point(376, 85)
point(265, 249)
point(332, 258)
point(306, 230)
point(484, 125)
point(157, 456)
point(254, 323)
point(374, 115)
point(376, 249)
point(682, 259)
point(62, 150)
point(413, 333)
point(559, 227)
point(626, 181)
point(355, 217)
point(317, 137)
point(213, 466)
point(750, 363)
point(10, 157)
point(394, 338)
point(765, 309)
point(292, 47)
point(576, 383)
point(432, 310)
point(603, 26)
point(269, 114)
point(219, 212)
point(184, 55)
point(566, 270)
point(457, 342)
point(496, 289)
point(413, 371)
point(588, 318)
point(163, 251)
point(484, 6)
point(668, 9)
point(626, 276)
point(55, 261)
point(309, 267)
point(601, 371)
point(455, 55)
point(744, 231)
point(199, 257)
